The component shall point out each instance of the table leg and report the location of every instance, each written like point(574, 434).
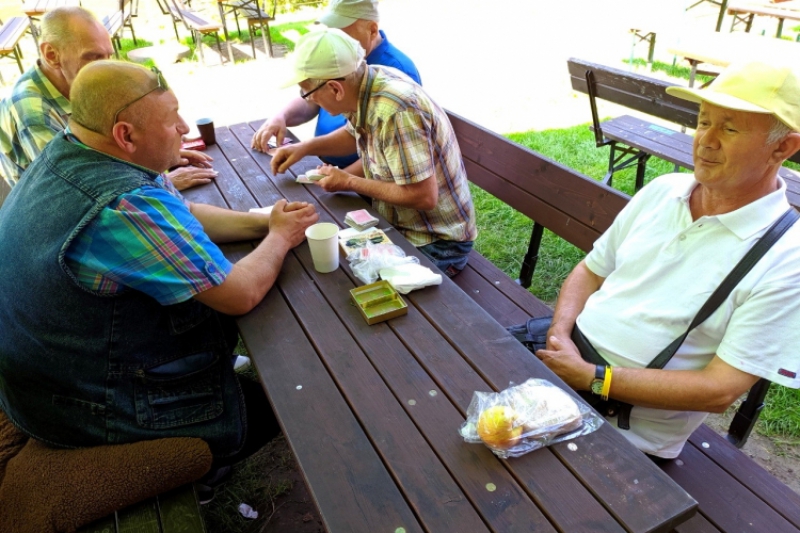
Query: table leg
point(722, 6)
point(225, 31)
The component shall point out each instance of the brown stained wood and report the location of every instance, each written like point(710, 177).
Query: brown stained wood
point(696, 524)
point(139, 518)
point(180, 511)
point(725, 502)
point(241, 158)
point(471, 465)
point(349, 354)
point(635, 91)
point(236, 194)
point(345, 476)
point(784, 500)
point(519, 295)
point(587, 201)
point(501, 360)
point(494, 302)
point(563, 225)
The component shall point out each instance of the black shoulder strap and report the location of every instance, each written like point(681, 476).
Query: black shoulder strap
point(731, 280)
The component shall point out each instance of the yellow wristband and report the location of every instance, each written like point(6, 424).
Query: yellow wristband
point(606, 383)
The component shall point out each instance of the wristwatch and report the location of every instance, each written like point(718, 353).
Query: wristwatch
point(599, 379)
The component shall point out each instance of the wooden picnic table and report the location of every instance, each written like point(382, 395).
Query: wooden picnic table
point(36, 8)
point(722, 49)
point(372, 412)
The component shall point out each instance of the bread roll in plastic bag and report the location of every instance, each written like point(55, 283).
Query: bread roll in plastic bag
point(526, 417)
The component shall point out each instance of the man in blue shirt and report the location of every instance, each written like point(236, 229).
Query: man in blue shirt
point(359, 20)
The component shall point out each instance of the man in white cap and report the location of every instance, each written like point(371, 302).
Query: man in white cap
point(412, 164)
point(670, 248)
point(359, 20)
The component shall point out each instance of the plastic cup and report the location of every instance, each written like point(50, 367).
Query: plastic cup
point(324, 244)
point(206, 128)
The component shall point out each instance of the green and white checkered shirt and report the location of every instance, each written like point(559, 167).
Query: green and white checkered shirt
point(33, 113)
point(404, 137)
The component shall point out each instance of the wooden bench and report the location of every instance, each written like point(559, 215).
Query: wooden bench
point(633, 140)
point(197, 26)
point(11, 33)
point(729, 486)
point(176, 511)
point(116, 22)
point(745, 12)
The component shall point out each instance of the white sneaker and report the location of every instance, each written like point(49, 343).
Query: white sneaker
point(242, 362)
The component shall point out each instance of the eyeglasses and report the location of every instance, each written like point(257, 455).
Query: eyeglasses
point(305, 96)
point(162, 84)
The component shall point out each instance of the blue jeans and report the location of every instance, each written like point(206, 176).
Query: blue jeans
point(449, 256)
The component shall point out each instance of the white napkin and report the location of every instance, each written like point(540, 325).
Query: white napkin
point(411, 276)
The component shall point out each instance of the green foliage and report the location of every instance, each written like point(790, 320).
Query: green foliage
point(285, 6)
point(126, 45)
point(781, 415)
point(676, 71)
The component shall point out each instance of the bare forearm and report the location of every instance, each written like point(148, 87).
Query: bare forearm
point(576, 290)
point(250, 280)
point(712, 389)
point(336, 143)
point(224, 225)
point(299, 111)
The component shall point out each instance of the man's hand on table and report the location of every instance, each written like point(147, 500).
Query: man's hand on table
point(288, 155)
point(184, 177)
point(562, 357)
point(289, 220)
point(335, 179)
point(274, 127)
point(195, 158)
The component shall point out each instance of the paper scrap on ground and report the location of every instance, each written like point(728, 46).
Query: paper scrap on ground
point(263, 210)
point(247, 511)
point(409, 277)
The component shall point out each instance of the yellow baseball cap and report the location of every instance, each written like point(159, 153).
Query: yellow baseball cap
point(324, 54)
point(754, 87)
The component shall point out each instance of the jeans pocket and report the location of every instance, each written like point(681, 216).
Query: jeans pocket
point(167, 400)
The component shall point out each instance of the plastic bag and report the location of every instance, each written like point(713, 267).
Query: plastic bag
point(526, 417)
point(368, 260)
point(410, 276)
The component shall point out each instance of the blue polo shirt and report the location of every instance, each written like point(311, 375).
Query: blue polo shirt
point(385, 54)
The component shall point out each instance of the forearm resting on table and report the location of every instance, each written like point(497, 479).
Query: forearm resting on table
point(711, 389)
point(576, 290)
point(250, 280)
point(225, 225)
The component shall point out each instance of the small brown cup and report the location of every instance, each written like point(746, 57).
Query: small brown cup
point(206, 128)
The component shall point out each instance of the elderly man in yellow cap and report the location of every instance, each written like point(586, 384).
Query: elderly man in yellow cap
point(640, 287)
point(412, 164)
point(358, 19)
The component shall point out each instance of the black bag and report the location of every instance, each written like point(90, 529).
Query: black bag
point(533, 334)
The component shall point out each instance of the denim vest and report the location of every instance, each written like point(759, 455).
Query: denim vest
point(78, 368)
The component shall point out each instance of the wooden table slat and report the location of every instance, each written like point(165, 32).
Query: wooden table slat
point(180, 512)
point(298, 385)
point(140, 518)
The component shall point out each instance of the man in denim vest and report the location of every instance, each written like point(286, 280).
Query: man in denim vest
point(115, 301)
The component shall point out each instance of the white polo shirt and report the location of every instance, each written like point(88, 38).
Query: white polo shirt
point(660, 267)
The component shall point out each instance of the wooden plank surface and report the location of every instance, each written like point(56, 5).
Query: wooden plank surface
point(139, 518)
point(462, 331)
point(180, 511)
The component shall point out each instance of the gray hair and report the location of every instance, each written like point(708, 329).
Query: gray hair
point(57, 24)
point(778, 131)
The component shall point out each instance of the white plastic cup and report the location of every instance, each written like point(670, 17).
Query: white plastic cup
point(324, 245)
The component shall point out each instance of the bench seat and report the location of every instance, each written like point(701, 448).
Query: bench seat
point(734, 492)
point(11, 34)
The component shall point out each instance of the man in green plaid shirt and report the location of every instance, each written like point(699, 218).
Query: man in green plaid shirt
point(413, 169)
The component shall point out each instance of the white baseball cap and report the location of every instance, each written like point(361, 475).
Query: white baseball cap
point(324, 54)
point(343, 13)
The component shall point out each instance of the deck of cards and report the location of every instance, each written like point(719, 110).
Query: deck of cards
point(310, 177)
point(360, 220)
